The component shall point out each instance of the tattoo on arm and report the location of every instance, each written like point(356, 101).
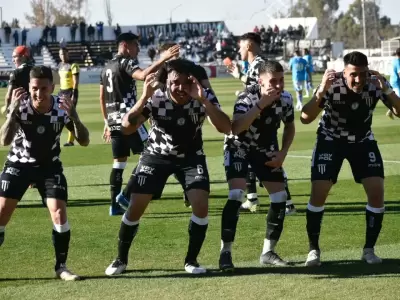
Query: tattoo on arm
point(80, 131)
point(8, 131)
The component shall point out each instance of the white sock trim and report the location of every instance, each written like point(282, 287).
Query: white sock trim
point(2, 228)
point(252, 196)
point(127, 222)
point(375, 210)
point(236, 195)
point(269, 245)
point(61, 228)
point(226, 246)
point(119, 164)
point(289, 202)
point(315, 208)
point(199, 221)
point(278, 197)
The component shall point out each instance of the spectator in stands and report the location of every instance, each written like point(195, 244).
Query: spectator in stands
point(117, 30)
point(45, 33)
point(63, 43)
point(151, 37)
point(24, 33)
point(16, 38)
point(151, 52)
point(82, 30)
point(100, 29)
point(90, 33)
point(7, 33)
point(53, 33)
point(256, 30)
point(73, 29)
point(262, 29)
point(276, 30)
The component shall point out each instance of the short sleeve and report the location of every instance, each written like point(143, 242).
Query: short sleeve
point(242, 104)
point(148, 108)
point(288, 116)
point(326, 98)
point(75, 69)
point(210, 96)
point(12, 80)
point(385, 98)
point(130, 66)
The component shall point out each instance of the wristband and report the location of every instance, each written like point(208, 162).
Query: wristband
point(258, 106)
point(388, 91)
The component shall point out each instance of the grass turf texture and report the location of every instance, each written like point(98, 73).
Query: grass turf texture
point(155, 269)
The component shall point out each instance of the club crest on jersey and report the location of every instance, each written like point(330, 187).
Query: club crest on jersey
point(355, 105)
point(181, 121)
point(268, 120)
point(41, 129)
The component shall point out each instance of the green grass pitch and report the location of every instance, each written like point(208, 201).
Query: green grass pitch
point(155, 269)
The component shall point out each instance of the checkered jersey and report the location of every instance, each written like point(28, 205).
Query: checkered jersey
point(176, 130)
point(119, 88)
point(37, 141)
point(347, 116)
point(253, 72)
point(264, 129)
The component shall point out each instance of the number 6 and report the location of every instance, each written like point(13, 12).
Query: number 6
point(200, 169)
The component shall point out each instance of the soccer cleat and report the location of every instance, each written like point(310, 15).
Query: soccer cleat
point(122, 201)
point(390, 114)
point(116, 211)
point(290, 210)
point(193, 267)
point(225, 262)
point(370, 257)
point(117, 267)
point(64, 274)
point(313, 259)
point(251, 205)
point(69, 144)
point(271, 258)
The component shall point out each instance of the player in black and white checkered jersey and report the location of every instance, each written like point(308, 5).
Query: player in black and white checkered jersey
point(175, 146)
point(33, 128)
point(250, 51)
point(118, 95)
point(348, 100)
point(257, 116)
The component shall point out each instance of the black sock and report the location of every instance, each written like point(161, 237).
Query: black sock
point(115, 184)
point(197, 234)
point(230, 218)
point(314, 220)
point(275, 218)
point(2, 236)
point(289, 197)
point(126, 236)
point(61, 245)
point(251, 182)
point(374, 225)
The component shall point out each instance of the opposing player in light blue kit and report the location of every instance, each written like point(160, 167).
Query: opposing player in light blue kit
point(395, 79)
point(298, 66)
point(310, 68)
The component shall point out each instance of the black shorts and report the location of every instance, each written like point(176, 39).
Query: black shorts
point(364, 158)
point(152, 173)
point(70, 93)
point(15, 180)
point(237, 161)
point(122, 145)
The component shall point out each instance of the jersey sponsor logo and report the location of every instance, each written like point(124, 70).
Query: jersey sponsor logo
point(141, 179)
point(147, 170)
point(12, 171)
point(26, 122)
point(325, 156)
point(181, 121)
point(115, 128)
point(240, 153)
point(165, 118)
point(41, 129)
point(5, 184)
point(321, 168)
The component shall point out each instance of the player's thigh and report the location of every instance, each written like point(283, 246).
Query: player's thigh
point(236, 168)
point(193, 170)
point(58, 210)
point(374, 188)
point(136, 144)
point(151, 175)
point(365, 161)
point(198, 199)
point(119, 146)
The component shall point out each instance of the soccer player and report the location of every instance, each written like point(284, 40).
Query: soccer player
point(395, 79)
point(117, 97)
point(250, 51)
point(298, 66)
point(348, 100)
point(69, 83)
point(310, 69)
point(33, 128)
point(175, 146)
point(258, 113)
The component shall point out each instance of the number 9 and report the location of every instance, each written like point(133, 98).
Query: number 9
point(372, 157)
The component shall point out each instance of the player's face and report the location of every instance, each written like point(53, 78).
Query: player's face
point(41, 90)
point(133, 48)
point(178, 84)
point(272, 80)
point(244, 50)
point(63, 56)
point(17, 59)
point(356, 77)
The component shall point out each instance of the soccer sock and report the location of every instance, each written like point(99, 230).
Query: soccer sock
point(71, 138)
point(298, 97)
point(301, 98)
point(116, 180)
point(230, 218)
point(197, 234)
point(314, 219)
point(251, 186)
point(373, 218)
point(2, 234)
point(275, 218)
point(289, 196)
point(61, 235)
point(127, 232)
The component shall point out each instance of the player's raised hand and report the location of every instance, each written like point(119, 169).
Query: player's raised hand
point(17, 95)
point(67, 105)
point(268, 97)
point(234, 70)
point(378, 80)
point(195, 89)
point(327, 80)
point(150, 85)
point(170, 53)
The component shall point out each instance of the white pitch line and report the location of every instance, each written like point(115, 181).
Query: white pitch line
point(309, 157)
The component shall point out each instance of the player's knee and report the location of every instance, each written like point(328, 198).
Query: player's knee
point(119, 165)
point(236, 195)
point(278, 197)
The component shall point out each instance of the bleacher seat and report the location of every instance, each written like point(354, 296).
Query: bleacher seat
point(78, 53)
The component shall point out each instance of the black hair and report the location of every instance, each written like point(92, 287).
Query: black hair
point(41, 72)
point(270, 66)
point(356, 58)
point(179, 65)
point(398, 52)
point(306, 51)
point(297, 52)
point(127, 37)
point(251, 36)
